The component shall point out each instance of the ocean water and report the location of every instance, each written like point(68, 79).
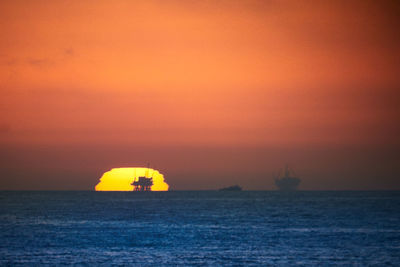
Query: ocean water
point(200, 228)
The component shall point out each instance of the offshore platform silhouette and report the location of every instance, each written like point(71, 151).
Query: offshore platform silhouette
point(143, 183)
point(287, 182)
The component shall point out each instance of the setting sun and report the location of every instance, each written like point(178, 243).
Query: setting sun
point(120, 179)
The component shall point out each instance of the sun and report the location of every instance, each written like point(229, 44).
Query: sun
point(120, 179)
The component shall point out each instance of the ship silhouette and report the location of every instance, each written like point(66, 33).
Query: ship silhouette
point(285, 181)
point(143, 183)
point(231, 188)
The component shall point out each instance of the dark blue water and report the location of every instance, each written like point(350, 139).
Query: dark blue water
point(200, 228)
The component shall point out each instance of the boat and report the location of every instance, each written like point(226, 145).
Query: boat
point(286, 181)
point(231, 188)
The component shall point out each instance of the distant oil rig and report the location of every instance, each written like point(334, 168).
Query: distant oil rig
point(143, 183)
point(286, 182)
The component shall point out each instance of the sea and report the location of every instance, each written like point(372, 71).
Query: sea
point(200, 228)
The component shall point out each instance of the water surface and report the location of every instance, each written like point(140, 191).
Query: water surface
point(200, 228)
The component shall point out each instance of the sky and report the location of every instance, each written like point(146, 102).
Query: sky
point(209, 93)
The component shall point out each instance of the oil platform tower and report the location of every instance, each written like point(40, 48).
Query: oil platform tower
point(143, 183)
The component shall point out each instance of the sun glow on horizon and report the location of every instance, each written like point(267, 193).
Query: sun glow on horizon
point(120, 179)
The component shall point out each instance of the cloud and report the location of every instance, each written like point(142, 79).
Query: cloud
point(11, 62)
point(39, 62)
point(69, 52)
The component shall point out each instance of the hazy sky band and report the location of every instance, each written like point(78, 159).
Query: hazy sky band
point(277, 77)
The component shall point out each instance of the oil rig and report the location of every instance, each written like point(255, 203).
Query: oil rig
point(143, 183)
point(287, 182)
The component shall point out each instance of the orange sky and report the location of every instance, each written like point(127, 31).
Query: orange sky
point(219, 74)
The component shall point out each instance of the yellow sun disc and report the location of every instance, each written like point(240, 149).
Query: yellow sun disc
point(120, 179)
